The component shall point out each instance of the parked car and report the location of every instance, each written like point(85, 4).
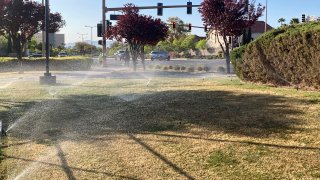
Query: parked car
point(119, 55)
point(35, 55)
point(160, 55)
point(62, 54)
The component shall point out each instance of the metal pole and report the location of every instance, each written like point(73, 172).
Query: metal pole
point(104, 48)
point(43, 38)
point(265, 25)
point(91, 33)
point(47, 38)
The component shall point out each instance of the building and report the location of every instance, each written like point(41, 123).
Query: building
point(56, 40)
point(213, 40)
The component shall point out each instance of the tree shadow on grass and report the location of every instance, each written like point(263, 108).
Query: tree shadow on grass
point(82, 116)
point(90, 117)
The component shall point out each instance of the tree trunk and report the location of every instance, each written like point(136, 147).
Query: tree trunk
point(227, 55)
point(17, 46)
point(143, 58)
point(9, 45)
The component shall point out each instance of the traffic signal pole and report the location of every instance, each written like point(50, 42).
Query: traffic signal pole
point(104, 47)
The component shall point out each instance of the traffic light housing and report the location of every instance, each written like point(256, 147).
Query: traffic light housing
point(160, 9)
point(101, 42)
point(174, 25)
point(99, 30)
point(108, 25)
point(206, 28)
point(190, 27)
point(303, 18)
point(189, 9)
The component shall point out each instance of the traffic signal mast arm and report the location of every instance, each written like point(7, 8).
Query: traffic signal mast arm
point(152, 7)
point(189, 25)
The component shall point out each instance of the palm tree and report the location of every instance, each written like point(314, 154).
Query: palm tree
point(281, 21)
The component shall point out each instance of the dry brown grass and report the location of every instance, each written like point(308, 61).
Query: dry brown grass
point(168, 129)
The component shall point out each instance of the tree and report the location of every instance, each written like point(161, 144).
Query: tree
point(189, 43)
point(179, 31)
point(138, 30)
point(84, 48)
point(22, 20)
point(229, 18)
point(294, 21)
point(202, 44)
point(281, 21)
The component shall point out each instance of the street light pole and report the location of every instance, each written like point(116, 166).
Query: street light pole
point(82, 36)
point(265, 25)
point(91, 27)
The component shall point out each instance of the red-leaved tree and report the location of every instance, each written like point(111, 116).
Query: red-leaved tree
point(20, 21)
point(138, 30)
point(229, 18)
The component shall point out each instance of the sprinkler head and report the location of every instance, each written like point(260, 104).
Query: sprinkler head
point(3, 132)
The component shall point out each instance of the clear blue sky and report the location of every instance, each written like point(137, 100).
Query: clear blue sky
point(79, 13)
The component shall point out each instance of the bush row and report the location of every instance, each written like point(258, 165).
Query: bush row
point(38, 64)
point(285, 56)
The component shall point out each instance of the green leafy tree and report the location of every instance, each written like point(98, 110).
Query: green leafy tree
point(180, 30)
point(189, 43)
point(281, 21)
point(115, 46)
point(294, 21)
point(84, 48)
point(202, 44)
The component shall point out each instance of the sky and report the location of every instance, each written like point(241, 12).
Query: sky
point(81, 13)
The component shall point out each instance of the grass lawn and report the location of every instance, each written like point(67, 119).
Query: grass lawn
point(161, 128)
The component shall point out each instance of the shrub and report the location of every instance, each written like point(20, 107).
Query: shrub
point(183, 68)
point(150, 66)
point(221, 69)
point(158, 66)
point(38, 64)
point(170, 67)
point(177, 68)
point(206, 68)
point(285, 56)
point(191, 69)
point(236, 56)
point(165, 68)
point(200, 68)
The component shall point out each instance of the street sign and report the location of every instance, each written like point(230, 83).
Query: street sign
point(114, 17)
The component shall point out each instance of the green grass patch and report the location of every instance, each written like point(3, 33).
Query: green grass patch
point(222, 158)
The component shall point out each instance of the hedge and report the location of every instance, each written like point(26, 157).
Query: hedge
point(38, 64)
point(286, 56)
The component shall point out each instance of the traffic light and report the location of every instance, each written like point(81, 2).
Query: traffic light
point(99, 30)
point(205, 28)
point(100, 42)
point(303, 18)
point(108, 25)
point(160, 9)
point(174, 25)
point(190, 26)
point(189, 9)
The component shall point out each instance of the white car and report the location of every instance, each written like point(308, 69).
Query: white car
point(160, 55)
point(62, 54)
point(119, 55)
